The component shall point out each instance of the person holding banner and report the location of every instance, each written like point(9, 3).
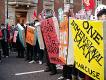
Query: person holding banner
point(31, 54)
point(19, 42)
point(39, 43)
point(39, 52)
point(28, 46)
point(20, 48)
point(67, 69)
point(32, 46)
point(37, 47)
point(51, 67)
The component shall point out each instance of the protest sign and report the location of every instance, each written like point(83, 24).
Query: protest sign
point(39, 35)
point(63, 48)
point(31, 35)
point(51, 40)
point(88, 47)
point(21, 33)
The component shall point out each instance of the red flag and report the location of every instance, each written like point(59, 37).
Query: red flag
point(34, 14)
point(89, 4)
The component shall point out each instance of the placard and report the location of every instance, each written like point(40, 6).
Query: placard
point(51, 39)
point(63, 48)
point(31, 35)
point(88, 47)
point(39, 35)
point(21, 33)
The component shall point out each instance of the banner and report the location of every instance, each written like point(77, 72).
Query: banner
point(21, 33)
point(31, 35)
point(39, 35)
point(63, 48)
point(51, 40)
point(88, 47)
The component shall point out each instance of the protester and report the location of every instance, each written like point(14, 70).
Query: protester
point(31, 57)
point(11, 36)
point(51, 67)
point(67, 69)
point(102, 14)
point(20, 47)
point(30, 53)
point(40, 42)
point(34, 56)
point(38, 53)
point(4, 41)
point(14, 32)
point(28, 47)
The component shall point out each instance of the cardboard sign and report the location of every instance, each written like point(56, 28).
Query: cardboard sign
point(51, 40)
point(39, 35)
point(30, 35)
point(88, 47)
point(63, 48)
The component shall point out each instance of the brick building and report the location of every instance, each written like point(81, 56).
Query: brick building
point(2, 11)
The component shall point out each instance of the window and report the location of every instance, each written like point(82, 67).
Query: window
point(98, 2)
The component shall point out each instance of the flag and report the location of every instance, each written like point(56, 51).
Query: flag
point(34, 14)
point(89, 4)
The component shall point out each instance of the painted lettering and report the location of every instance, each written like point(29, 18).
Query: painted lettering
point(89, 51)
point(93, 33)
point(91, 72)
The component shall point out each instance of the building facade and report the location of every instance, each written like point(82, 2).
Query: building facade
point(2, 11)
point(20, 11)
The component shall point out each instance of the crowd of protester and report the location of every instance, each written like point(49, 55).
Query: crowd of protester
point(34, 54)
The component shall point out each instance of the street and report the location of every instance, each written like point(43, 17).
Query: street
point(13, 68)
